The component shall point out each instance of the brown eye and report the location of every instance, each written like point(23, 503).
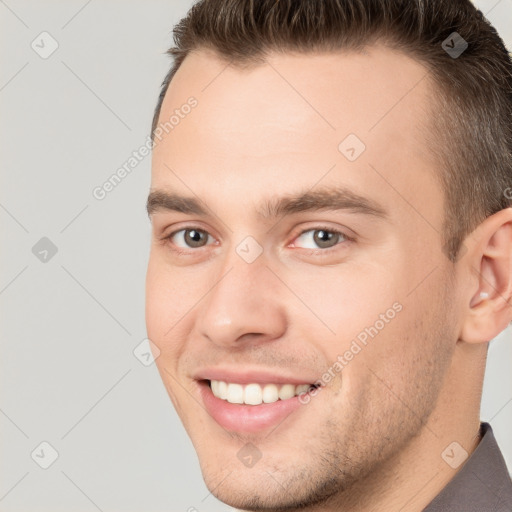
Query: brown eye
point(194, 238)
point(190, 238)
point(319, 239)
point(325, 239)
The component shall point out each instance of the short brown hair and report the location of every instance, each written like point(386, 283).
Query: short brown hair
point(472, 121)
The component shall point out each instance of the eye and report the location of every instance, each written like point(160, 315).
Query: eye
point(319, 239)
point(190, 238)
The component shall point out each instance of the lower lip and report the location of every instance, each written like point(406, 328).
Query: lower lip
point(246, 418)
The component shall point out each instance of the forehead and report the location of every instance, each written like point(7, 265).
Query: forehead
point(286, 123)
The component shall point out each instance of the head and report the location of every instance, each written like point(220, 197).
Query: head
point(330, 209)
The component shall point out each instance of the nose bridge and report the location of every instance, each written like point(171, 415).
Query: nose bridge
point(239, 302)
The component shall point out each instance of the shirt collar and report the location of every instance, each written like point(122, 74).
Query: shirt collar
point(483, 483)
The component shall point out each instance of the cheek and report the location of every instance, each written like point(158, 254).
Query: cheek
point(166, 303)
point(410, 354)
point(156, 301)
point(346, 303)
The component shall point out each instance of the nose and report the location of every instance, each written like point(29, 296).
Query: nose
point(244, 306)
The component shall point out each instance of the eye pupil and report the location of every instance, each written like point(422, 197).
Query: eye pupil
point(325, 238)
point(195, 238)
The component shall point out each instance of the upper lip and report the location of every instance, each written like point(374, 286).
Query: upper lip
point(250, 376)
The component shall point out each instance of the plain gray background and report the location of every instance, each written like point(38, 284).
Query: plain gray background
point(71, 323)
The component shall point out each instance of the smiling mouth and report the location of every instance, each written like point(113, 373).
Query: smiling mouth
point(256, 394)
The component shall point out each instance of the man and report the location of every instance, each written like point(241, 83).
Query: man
point(332, 250)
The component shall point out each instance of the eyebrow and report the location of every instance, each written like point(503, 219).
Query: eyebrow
point(328, 198)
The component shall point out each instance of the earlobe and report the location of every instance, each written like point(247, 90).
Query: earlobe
point(489, 308)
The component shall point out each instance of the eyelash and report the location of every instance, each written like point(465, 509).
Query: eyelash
point(347, 239)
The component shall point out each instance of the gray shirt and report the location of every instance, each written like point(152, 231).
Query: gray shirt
point(483, 484)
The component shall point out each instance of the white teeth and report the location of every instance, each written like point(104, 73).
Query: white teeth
point(303, 388)
point(270, 393)
point(254, 394)
point(286, 391)
point(222, 390)
point(235, 394)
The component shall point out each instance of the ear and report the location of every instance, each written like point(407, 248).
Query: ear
point(489, 262)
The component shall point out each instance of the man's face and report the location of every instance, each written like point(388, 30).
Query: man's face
point(304, 261)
